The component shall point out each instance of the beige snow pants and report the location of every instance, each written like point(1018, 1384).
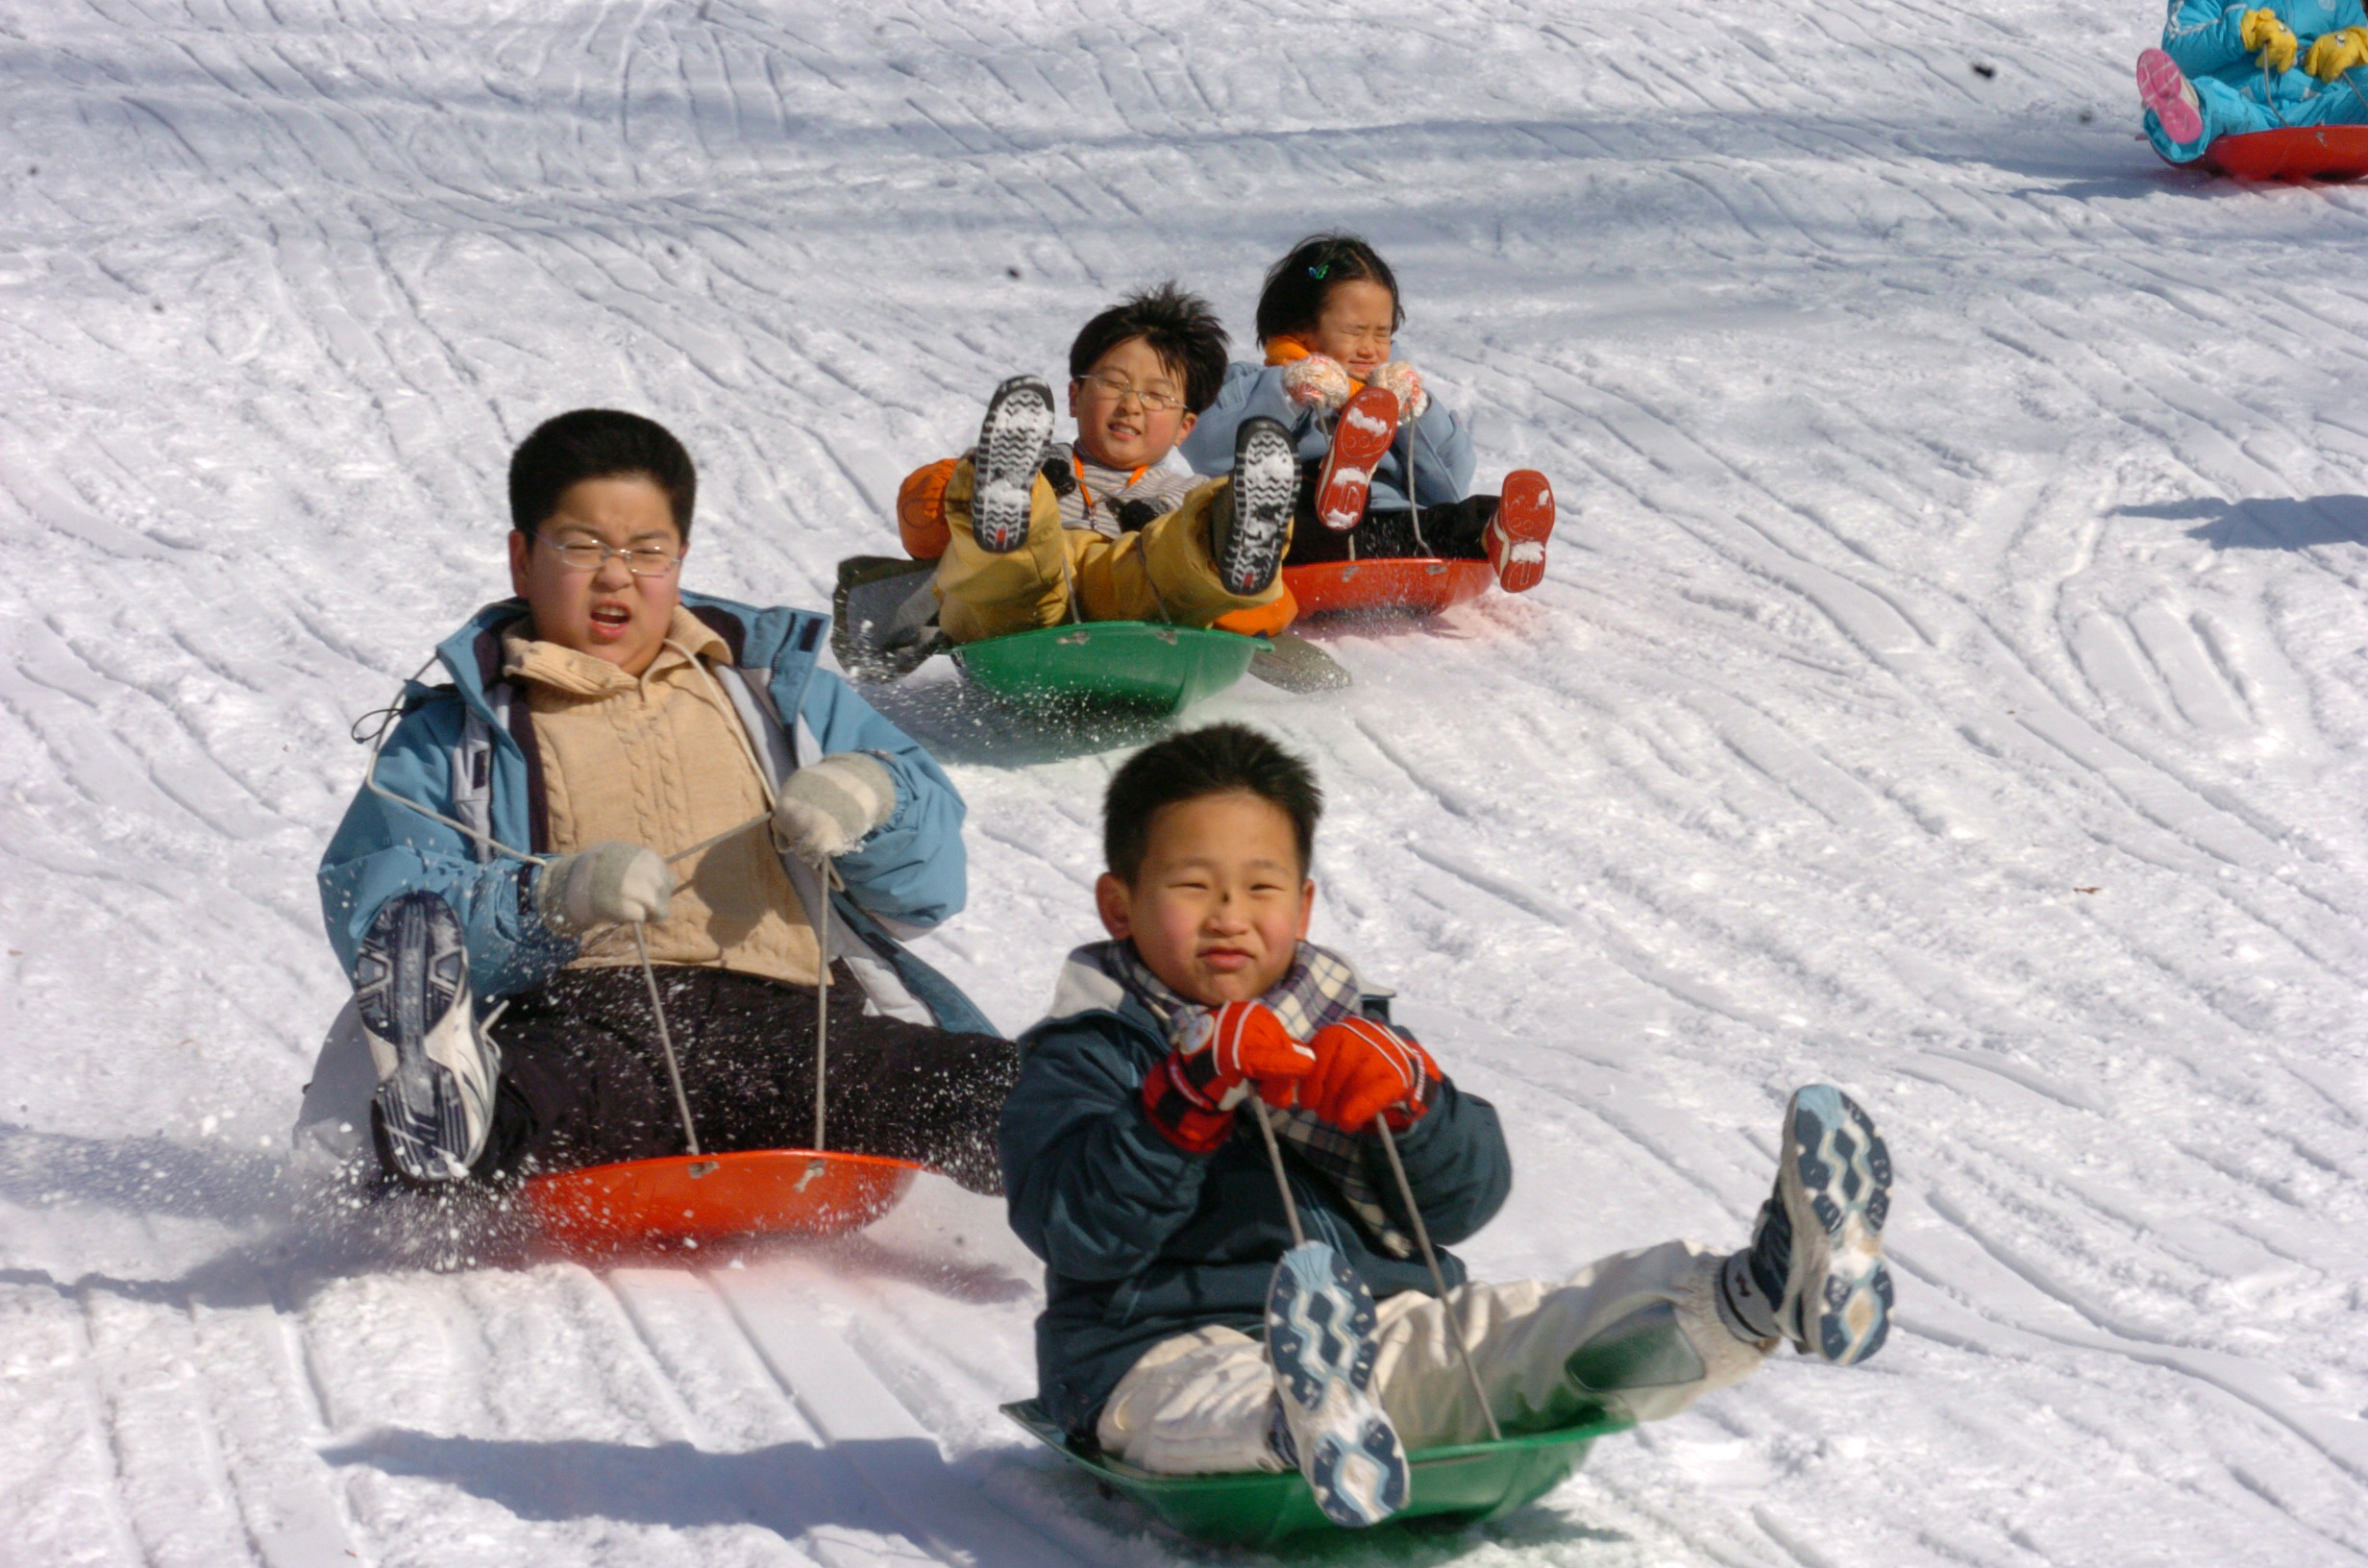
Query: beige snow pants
point(1637, 1334)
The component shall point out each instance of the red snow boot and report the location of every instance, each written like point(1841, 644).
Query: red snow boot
point(1516, 541)
point(1367, 423)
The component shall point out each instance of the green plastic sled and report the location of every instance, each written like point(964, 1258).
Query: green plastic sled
point(1454, 1486)
point(1110, 664)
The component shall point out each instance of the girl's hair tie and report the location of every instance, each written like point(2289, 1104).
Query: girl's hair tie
point(1317, 272)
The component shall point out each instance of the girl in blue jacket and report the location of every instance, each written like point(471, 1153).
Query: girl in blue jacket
point(1137, 1170)
point(2224, 70)
point(1326, 318)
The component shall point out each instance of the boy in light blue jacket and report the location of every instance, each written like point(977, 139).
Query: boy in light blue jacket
point(621, 788)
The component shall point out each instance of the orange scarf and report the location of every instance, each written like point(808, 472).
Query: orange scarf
point(1282, 351)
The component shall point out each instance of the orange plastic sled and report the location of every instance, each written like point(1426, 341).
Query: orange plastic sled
point(1410, 585)
point(643, 1204)
point(2327, 152)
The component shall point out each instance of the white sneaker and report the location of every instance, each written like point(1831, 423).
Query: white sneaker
point(436, 1067)
point(1813, 1273)
point(1319, 1337)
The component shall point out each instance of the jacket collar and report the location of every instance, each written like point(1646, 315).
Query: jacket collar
point(781, 641)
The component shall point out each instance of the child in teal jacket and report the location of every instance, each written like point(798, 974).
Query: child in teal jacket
point(2226, 70)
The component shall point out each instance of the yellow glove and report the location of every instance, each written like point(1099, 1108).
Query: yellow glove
point(2336, 53)
point(2269, 39)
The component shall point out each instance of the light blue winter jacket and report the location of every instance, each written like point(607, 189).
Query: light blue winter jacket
point(906, 876)
point(2206, 39)
point(1442, 446)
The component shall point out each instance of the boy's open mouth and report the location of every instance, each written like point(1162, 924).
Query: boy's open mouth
point(609, 621)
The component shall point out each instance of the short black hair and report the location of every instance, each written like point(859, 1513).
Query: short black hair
point(598, 444)
point(1292, 299)
point(1219, 759)
point(1180, 329)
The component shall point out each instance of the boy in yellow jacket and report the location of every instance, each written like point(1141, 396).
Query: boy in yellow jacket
point(1030, 533)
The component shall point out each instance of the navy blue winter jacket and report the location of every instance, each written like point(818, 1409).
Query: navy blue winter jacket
point(1143, 1241)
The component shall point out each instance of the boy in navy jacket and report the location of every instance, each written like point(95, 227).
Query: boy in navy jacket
point(1132, 1170)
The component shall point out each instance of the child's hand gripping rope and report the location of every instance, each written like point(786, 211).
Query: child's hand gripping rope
point(1405, 383)
point(828, 807)
point(1364, 1069)
point(2332, 54)
point(1218, 1059)
point(1318, 382)
point(612, 883)
point(2269, 40)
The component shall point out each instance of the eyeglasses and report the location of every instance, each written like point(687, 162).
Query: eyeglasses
point(1118, 391)
point(590, 555)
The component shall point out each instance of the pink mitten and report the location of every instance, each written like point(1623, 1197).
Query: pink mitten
point(1406, 382)
point(1317, 381)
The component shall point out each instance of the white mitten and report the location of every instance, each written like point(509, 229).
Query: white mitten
point(1317, 381)
point(1405, 383)
point(611, 883)
point(828, 807)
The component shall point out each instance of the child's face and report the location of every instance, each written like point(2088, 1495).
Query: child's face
point(608, 613)
point(1220, 902)
point(1120, 429)
point(1356, 326)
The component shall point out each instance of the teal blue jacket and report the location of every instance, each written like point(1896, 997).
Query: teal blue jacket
point(2206, 39)
point(908, 875)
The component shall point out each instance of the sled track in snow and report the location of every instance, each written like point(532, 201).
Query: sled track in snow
point(1951, 679)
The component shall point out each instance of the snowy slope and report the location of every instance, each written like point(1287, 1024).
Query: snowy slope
point(1953, 682)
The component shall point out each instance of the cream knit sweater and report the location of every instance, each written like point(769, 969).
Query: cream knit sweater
point(661, 760)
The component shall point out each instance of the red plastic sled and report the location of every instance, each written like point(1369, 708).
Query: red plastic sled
point(1412, 585)
point(2327, 152)
point(644, 1204)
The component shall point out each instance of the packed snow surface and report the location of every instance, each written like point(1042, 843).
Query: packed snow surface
point(1950, 680)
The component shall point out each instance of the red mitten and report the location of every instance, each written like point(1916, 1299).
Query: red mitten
point(1364, 1067)
point(1318, 382)
point(1222, 1055)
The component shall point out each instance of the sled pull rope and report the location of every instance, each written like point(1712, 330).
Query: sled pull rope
point(830, 875)
point(1413, 506)
point(1282, 1179)
point(1439, 1281)
point(665, 1038)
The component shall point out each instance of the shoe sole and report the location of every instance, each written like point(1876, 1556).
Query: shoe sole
point(1011, 447)
point(412, 993)
point(1838, 1193)
point(1361, 437)
point(1265, 482)
point(2159, 84)
point(1319, 1337)
point(1517, 538)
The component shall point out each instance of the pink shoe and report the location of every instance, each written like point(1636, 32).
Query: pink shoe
point(2162, 89)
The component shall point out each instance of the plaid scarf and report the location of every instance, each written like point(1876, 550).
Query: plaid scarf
point(1320, 990)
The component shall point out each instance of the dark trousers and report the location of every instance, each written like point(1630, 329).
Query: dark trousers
point(1454, 533)
point(583, 1080)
